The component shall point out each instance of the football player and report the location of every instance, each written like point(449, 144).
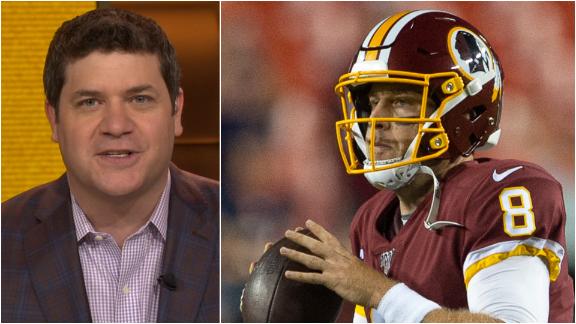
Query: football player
point(449, 238)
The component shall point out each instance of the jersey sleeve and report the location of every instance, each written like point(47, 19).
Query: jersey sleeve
point(522, 215)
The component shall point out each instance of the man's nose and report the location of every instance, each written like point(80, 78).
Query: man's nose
point(379, 111)
point(116, 120)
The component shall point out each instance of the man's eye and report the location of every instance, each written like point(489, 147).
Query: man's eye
point(401, 102)
point(90, 102)
point(373, 103)
point(141, 99)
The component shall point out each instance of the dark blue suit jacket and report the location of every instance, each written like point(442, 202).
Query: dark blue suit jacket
point(41, 272)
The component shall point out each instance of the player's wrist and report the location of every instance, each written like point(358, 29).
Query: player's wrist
point(401, 304)
point(379, 291)
point(376, 298)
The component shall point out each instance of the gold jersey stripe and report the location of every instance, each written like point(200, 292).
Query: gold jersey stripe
point(520, 250)
point(380, 34)
point(360, 311)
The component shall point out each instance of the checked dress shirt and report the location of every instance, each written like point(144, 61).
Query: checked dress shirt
point(122, 283)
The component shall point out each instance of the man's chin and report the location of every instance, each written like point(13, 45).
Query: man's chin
point(381, 153)
point(116, 185)
point(129, 184)
point(119, 189)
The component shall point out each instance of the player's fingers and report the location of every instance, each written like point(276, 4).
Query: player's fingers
point(306, 241)
point(321, 232)
point(310, 261)
point(299, 229)
point(306, 277)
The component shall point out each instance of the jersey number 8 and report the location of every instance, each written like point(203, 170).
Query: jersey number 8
point(518, 217)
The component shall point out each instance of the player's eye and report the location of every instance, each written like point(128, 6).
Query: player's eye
point(405, 101)
point(400, 102)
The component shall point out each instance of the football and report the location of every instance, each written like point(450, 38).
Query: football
point(270, 297)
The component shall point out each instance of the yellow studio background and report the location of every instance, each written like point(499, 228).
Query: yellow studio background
point(29, 157)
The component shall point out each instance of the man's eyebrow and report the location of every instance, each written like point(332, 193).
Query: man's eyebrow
point(87, 93)
point(95, 93)
point(140, 88)
point(406, 91)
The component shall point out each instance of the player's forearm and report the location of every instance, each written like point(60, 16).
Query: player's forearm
point(402, 304)
point(444, 315)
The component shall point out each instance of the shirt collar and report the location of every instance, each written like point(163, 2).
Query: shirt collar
point(159, 217)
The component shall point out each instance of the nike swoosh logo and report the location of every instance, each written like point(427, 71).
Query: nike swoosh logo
point(500, 176)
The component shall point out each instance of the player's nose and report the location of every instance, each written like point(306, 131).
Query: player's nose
point(378, 113)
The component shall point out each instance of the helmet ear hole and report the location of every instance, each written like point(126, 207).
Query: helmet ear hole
point(361, 103)
point(476, 112)
point(360, 99)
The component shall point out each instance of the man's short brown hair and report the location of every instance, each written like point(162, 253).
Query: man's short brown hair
point(107, 30)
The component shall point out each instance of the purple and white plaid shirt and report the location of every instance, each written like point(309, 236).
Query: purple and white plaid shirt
point(122, 284)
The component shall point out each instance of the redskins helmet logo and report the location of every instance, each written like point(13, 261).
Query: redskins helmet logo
point(472, 55)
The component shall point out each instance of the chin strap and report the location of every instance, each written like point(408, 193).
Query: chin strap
point(430, 223)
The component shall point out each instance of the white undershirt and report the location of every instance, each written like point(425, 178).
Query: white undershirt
point(513, 290)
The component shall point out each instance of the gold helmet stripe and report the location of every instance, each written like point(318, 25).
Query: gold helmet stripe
point(380, 35)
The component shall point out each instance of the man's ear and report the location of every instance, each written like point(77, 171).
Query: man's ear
point(52, 119)
point(178, 106)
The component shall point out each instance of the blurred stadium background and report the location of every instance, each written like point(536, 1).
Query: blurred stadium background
point(280, 62)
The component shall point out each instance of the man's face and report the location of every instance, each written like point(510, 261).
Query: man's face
point(116, 125)
point(392, 139)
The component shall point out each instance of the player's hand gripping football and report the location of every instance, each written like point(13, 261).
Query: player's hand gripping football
point(267, 246)
point(339, 269)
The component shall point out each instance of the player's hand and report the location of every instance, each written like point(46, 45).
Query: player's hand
point(267, 246)
point(340, 271)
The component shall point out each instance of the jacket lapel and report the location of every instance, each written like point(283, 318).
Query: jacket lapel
point(52, 256)
point(189, 253)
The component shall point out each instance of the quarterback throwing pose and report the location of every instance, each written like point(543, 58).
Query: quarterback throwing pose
point(449, 237)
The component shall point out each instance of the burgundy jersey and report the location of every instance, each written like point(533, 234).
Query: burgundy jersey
point(507, 208)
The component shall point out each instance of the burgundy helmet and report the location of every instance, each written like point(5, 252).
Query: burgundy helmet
point(457, 70)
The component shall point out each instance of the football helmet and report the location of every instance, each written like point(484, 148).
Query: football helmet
point(458, 74)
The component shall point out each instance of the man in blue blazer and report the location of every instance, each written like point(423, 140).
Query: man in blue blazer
point(123, 235)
